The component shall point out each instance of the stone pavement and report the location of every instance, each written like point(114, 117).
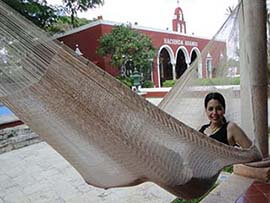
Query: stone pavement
point(38, 174)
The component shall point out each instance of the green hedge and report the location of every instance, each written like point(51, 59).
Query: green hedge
point(168, 83)
point(208, 81)
point(218, 81)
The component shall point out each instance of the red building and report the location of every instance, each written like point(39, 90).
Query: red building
point(175, 49)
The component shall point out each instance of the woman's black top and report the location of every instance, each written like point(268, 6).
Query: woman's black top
point(220, 135)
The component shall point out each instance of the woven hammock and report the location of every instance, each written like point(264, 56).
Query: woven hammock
point(112, 136)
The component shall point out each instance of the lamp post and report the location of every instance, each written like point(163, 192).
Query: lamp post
point(136, 80)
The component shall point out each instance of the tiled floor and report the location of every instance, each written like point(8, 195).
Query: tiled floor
point(38, 174)
point(258, 192)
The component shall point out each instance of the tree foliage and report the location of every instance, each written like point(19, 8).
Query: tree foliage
point(73, 6)
point(127, 48)
point(51, 18)
point(36, 11)
point(63, 24)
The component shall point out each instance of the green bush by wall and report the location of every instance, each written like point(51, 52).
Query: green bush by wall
point(207, 81)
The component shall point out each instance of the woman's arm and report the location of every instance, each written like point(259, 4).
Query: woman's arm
point(236, 135)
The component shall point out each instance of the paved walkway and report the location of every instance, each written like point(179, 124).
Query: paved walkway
point(38, 174)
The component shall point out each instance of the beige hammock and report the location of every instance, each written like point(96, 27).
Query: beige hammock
point(112, 136)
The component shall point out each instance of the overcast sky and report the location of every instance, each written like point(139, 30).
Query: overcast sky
point(203, 17)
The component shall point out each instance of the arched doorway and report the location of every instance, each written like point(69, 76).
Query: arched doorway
point(195, 60)
point(193, 56)
point(181, 64)
point(165, 66)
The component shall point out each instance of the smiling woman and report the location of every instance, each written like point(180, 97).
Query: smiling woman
point(219, 128)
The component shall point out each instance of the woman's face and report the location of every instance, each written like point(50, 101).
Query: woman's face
point(215, 111)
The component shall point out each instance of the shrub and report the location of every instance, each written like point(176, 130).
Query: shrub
point(168, 83)
point(147, 84)
point(125, 80)
point(218, 81)
point(207, 81)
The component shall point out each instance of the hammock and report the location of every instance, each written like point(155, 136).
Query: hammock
point(112, 136)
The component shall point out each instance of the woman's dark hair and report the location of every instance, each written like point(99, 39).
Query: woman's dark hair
point(216, 96)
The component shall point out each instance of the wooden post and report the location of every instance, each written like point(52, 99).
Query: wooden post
point(253, 71)
point(253, 82)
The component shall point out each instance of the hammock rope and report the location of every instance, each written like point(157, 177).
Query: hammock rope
point(112, 136)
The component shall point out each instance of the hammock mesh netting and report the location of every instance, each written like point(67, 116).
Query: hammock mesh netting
point(111, 135)
point(221, 61)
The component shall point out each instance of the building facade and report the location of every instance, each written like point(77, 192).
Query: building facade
point(175, 49)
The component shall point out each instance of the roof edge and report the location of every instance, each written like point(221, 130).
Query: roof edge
point(112, 23)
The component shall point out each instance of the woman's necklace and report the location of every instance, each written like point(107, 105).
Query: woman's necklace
point(210, 130)
point(215, 129)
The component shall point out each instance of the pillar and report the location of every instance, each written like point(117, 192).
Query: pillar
point(253, 71)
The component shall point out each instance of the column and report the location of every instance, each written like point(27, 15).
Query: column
point(253, 71)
